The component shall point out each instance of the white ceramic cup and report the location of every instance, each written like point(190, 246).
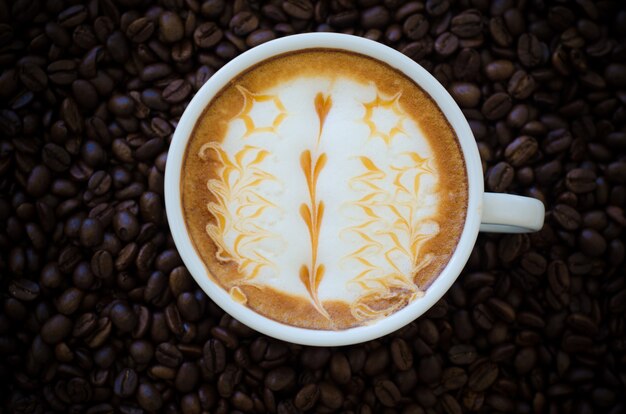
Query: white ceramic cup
point(485, 211)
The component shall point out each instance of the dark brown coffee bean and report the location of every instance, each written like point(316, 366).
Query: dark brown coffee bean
point(340, 369)
point(521, 85)
point(176, 91)
point(454, 378)
point(24, 289)
point(56, 329)
point(529, 50)
point(415, 26)
point(72, 16)
point(387, 393)
point(500, 177)
point(330, 396)
point(123, 317)
point(521, 150)
point(280, 378)
point(69, 301)
point(126, 383)
point(33, 77)
point(557, 141)
point(446, 44)
point(466, 94)
point(259, 37)
point(187, 377)
point(343, 19)
point(140, 30)
point(429, 369)
point(169, 355)
point(376, 17)
point(125, 225)
point(171, 27)
point(299, 9)
point(499, 70)
point(592, 243)
point(467, 24)
point(149, 397)
point(450, 404)
point(207, 35)
point(499, 31)
point(497, 106)
point(580, 180)
point(214, 354)
point(566, 217)
point(225, 336)
point(39, 181)
point(401, 354)
point(483, 376)
point(243, 23)
point(307, 397)
point(462, 354)
point(228, 380)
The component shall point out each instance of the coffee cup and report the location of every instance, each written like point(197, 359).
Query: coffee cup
point(362, 174)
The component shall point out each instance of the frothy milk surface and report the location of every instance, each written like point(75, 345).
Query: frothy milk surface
point(324, 189)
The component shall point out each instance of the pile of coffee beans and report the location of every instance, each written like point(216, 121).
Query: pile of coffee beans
point(99, 315)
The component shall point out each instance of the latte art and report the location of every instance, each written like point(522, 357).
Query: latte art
point(320, 198)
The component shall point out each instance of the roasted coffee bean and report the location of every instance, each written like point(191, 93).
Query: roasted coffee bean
point(207, 35)
point(280, 378)
point(566, 217)
point(149, 397)
point(483, 376)
point(466, 94)
point(529, 50)
point(415, 26)
point(454, 378)
point(467, 24)
point(123, 317)
point(176, 91)
point(462, 354)
point(171, 28)
point(500, 177)
point(521, 150)
point(496, 106)
point(126, 383)
point(140, 30)
point(580, 180)
point(228, 380)
point(187, 377)
point(401, 354)
point(307, 397)
point(33, 77)
point(299, 9)
point(24, 289)
point(69, 301)
point(214, 354)
point(446, 44)
point(330, 396)
point(243, 23)
point(387, 393)
point(56, 329)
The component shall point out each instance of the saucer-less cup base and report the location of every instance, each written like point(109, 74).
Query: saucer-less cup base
point(487, 212)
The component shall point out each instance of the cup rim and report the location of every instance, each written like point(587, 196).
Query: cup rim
point(291, 333)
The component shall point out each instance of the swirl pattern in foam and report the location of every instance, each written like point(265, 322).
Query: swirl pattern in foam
point(326, 189)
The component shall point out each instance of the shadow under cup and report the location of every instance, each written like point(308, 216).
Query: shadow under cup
point(269, 326)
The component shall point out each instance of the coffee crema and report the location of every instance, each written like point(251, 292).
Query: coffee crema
point(324, 189)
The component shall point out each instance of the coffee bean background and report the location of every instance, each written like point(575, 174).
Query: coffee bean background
point(100, 316)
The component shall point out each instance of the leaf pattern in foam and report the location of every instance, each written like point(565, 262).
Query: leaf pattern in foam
point(236, 205)
point(385, 286)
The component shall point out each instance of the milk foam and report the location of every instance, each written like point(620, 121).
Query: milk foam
point(376, 190)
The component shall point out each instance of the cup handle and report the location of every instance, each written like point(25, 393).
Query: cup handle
point(507, 213)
